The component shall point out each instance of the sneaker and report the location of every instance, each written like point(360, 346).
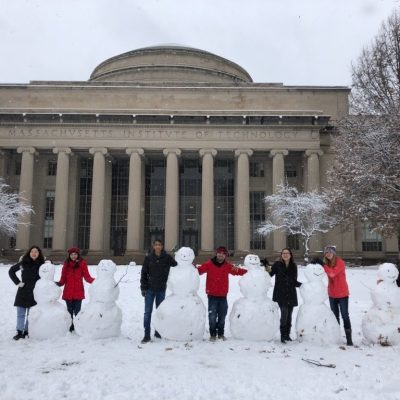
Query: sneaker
point(213, 338)
point(222, 337)
point(157, 335)
point(146, 339)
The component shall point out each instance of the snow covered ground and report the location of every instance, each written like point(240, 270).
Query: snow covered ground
point(123, 369)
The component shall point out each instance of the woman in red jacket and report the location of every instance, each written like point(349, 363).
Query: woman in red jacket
point(338, 290)
point(73, 272)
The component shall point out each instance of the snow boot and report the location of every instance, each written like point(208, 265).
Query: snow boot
point(19, 335)
point(157, 335)
point(72, 328)
point(26, 334)
point(348, 337)
point(146, 339)
point(213, 338)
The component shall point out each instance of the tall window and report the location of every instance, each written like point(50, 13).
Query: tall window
point(256, 169)
point(293, 242)
point(85, 200)
point(257, 217)
point(224, 204)
point(371, 241)
point(52, 168)
point(49, 219)
point(154, 201)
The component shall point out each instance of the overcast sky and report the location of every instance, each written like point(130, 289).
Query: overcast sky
point(297, 42)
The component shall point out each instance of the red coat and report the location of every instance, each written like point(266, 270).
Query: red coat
point(217, 283)
point(337, 284)
point(72, 276)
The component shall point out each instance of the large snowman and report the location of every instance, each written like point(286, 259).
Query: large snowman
point(254, 316)
point(50, 318)
point(315, 322)
point(101, 318)
point(182, 315)
point(381, 324)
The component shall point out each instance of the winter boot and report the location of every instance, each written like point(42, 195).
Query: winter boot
point(348, 337)
point(146, 339)
point(157, 335)
point(287, 333)
point(72, 328)
point(26, 334)
point(19, 335)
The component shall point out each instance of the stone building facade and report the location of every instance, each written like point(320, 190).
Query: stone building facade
point(168, 142)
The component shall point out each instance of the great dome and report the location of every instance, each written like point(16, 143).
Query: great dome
point(169, 63)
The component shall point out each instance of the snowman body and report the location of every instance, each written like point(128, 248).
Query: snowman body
point(254, 316)
point(381, 324)
point(182, 315)
point(49, 318)
point(101, 318)
point(315, 321)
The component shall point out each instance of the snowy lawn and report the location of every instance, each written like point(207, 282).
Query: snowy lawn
point(123, 369)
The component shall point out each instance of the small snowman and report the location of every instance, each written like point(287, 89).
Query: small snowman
point(254, 316)
point(182, 315)
point(50, 318)
point(315, 322)
point(381, 324)
point(101, 318)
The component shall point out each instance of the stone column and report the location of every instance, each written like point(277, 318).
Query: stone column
point(25, 191)
point(172, 199)
point(98, 199)
point(242, 211)
point(207, 199)
point(278, 177)
point(134, 199)
point(61, 199)
point(2, 163)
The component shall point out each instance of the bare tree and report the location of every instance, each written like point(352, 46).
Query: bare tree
point(11, 208)
point(298, 213)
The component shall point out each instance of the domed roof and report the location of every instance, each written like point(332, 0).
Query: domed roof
point(169, 63)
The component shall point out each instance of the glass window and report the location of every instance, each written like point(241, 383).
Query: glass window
point(51, 167)
point(257, 217)
point(48, 220)
point(85, 202)
point(256, 169)
point(371, 240)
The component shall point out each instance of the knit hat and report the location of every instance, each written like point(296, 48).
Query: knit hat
point(222, 250)
point(330, 249)
point(74, 250)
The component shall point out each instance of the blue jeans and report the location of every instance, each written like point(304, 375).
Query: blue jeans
point(341, 304)
point(22, 319)
point(73, 307)
point(151, 295)
point(217, 310)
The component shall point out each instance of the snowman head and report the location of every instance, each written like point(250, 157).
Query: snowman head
point(184, 255)
point(388, 272)
point(314, 272)
point(106, 268)
point(46, 271)
point(252, 261)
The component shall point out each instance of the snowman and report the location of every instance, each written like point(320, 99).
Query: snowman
point(182, 315)
point(254, 316)
point(381, 324)
point(50, 318)
point(316, 322)
point(101, 318)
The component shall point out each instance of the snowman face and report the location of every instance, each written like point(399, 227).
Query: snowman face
point(252, 261)
point(388, 272)
point(314, 272)
point(106, 268)
point(46, 271)
point(184, 255)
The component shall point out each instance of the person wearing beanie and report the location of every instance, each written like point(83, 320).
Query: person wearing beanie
point(338, 290)
point(74, 271)
point(217, 286)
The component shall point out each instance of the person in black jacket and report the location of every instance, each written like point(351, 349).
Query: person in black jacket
point(285, 272)
point(153, 282)
point(24, 300)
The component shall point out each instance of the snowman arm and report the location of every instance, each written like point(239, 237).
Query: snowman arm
point(88, 278)
point(12, 273)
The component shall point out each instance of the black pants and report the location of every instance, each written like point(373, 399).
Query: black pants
point(286, 319)
point(73, 306)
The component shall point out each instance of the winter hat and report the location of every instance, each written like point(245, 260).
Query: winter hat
point(330, 249)
point(222, 250)
point(74, 250)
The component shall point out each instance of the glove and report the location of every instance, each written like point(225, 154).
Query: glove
point(144, 293)
point(21, 284)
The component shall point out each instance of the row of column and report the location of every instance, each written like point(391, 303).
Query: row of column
point(134, 229)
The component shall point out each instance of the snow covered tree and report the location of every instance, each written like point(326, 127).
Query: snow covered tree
point(11, 208)
point(298, 213)
point(365, 179)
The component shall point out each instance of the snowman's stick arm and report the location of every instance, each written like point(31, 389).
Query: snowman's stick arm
point(120, 279)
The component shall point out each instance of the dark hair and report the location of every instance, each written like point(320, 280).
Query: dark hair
point(158, 241)
point(291, 254)
point(27, 257)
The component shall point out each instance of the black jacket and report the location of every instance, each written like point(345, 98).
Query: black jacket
point(285, 284)
point(155, 271)
point(29, 275)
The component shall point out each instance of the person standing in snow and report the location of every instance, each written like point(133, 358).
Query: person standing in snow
point(217, 286)
point(74, 271)
point(338, 290)
point(285, 294)
point(153, 283)
point(24, 300)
